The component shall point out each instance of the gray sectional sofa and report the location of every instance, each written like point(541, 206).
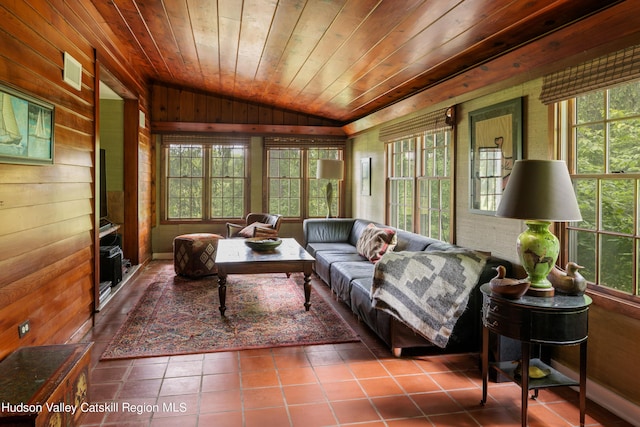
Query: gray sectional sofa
point(350, 276)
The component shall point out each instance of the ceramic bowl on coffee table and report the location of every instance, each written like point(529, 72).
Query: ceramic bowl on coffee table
point(263, 244)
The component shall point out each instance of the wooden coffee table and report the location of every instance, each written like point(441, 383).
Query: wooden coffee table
point(234, 257)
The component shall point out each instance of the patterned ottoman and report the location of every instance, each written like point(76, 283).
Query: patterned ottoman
point(194, 254)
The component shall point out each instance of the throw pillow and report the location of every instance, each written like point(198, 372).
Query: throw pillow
point(375, 242)
point(249, 230)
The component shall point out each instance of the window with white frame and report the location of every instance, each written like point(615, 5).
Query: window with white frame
point(204, 177)
point(293, 190)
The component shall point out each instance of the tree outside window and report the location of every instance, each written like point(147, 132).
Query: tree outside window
point(603, 130)
point(419, 177)
point(293, 189)
point(204, 180)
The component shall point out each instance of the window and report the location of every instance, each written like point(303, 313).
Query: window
point(434, 186)
point(490, 177)
point(205, 178)
point(420, 181)
point(293, 190)
point(285, 181)
point(402, 175)
point(601, 136)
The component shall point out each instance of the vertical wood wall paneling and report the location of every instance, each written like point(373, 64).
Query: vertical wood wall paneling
point(170, 104)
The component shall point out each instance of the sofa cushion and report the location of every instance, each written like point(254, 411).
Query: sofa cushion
point(408, 241)
point(324, 259)
point(342, 273)
point(379, 321)
point(440, 246)
point(375, 242)
point(327, 230)
point(333, 247)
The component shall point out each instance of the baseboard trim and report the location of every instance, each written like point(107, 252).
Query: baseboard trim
point(626, 410)
point(162, 255)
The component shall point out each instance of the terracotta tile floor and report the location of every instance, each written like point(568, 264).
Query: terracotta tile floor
point(356, 384)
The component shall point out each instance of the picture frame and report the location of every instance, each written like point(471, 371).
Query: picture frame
point(495, 144)
point(26, 128)
point(365, 176)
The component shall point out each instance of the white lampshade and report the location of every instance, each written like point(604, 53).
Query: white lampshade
point(330, 169)
point(539, 190)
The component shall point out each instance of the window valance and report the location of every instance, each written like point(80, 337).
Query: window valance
point(434, 121)
point(606, 71)
point(297, 142)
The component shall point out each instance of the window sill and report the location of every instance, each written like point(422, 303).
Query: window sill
point(620, 305)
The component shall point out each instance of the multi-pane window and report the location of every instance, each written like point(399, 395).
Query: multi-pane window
point(434, 186)
point(490, 177)
point(185, 181)
point(293, 189)
point(228, 179)
point(285, 181)
point(204, 180)
point(420, 182)
point(317, 200)
point(402, 176)
point(603, 129)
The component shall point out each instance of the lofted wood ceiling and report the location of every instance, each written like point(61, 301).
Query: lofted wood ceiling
point(337, 59)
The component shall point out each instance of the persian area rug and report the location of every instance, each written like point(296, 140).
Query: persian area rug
point(181, 316)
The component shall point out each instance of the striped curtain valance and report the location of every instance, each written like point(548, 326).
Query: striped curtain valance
point(607, 71)
point(272, 141)
point(434, 121)
point(206, 139)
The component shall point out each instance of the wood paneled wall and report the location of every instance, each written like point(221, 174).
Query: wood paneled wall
point(47, 221)
point(171, 104)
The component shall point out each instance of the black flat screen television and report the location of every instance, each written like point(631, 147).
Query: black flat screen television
point(104, 212)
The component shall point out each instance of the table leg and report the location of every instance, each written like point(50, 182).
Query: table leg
point(307, 291)
point(583, 381)
point(524, 375)
point(222, 291)
point(485, 363)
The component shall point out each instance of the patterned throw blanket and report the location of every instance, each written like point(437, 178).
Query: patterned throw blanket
point(427, 291)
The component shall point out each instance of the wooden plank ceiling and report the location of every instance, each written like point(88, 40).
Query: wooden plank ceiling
point(337, 59)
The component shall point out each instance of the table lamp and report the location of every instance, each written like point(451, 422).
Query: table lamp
point(539, 192)
point(330, 169)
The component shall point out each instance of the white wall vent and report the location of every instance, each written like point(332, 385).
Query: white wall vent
point(72, 71)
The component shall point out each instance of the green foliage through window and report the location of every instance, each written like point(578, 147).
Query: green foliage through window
point(291, 176)
point(205, 181)
point(603, 131)
point(420, 181)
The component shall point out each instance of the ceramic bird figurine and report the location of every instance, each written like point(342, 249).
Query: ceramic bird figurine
point(570, 281)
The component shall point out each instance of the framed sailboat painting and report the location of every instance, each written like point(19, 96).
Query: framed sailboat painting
point(26, 128)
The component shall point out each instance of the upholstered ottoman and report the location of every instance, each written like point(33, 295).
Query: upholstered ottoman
point(194, 255)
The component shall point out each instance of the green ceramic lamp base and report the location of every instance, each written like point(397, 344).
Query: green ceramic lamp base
point(538, 250)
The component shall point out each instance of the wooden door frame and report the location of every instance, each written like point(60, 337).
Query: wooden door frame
point(130, 175)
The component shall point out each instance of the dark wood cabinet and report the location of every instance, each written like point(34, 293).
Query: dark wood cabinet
point(45, 385)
